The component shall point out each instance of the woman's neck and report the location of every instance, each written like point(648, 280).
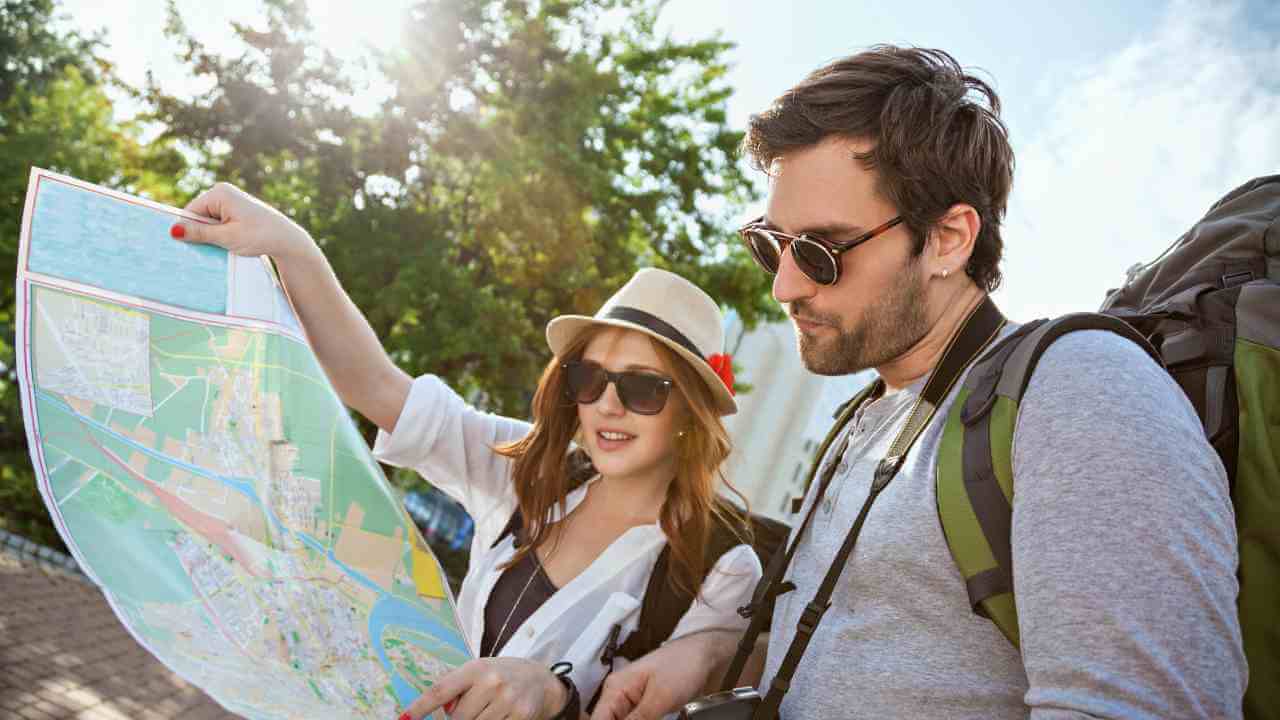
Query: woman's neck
point(638, 498)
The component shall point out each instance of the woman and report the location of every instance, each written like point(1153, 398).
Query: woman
point(563, 548)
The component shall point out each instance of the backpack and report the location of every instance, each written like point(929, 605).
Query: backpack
point(1208, 310)
point(664, 604)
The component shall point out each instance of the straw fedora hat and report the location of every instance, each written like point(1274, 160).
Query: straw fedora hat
point(673, 311)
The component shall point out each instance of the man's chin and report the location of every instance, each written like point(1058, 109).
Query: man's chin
point(818, 360)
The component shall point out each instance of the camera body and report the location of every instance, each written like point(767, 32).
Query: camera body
point(737, 704)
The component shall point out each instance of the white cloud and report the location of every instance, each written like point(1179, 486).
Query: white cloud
point(1135, 148)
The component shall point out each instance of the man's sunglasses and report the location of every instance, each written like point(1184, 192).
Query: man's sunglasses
point(640, 392)
point(818, 259)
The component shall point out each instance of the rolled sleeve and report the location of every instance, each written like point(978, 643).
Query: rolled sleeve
point(728, 587)
point(450, 444)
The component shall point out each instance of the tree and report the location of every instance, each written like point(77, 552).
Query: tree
point(53, 113)
point(531, 158)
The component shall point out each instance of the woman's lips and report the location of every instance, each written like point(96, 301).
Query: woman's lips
point(616, 441)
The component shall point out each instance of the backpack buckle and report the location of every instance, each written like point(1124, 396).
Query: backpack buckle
point(1232, 279)
point(811, 616)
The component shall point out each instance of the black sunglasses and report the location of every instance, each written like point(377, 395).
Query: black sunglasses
point(640, 392)
point(818, 259)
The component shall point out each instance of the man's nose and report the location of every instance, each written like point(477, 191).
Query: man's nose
point(789, 284)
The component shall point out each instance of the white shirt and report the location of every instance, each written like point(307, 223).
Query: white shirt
point(450, 444)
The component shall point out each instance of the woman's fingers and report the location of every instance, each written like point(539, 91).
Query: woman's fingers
point(217, 203)
point(204, 233)
point(451, 690)
point(241, 224)
point(214, 201)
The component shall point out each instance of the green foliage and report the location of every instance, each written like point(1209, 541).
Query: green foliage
point(529, 160)
point(32, 53)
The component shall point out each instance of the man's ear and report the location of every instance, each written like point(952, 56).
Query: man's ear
point(953, 239)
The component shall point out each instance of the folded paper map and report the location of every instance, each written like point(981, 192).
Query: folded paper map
point(203, 472)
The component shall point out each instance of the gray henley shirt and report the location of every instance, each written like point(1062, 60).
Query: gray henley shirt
point(1124, 552)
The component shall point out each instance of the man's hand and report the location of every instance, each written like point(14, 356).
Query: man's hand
point(667, 678)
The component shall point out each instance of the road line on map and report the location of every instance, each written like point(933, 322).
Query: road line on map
point(265, 366)
point(60, 465)
point(166, 398)
point(204, 409)
point(79, 487)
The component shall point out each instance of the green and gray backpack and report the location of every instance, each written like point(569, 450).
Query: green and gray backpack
point(1208, 310)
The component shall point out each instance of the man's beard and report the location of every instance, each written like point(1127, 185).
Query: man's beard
point(891, 326)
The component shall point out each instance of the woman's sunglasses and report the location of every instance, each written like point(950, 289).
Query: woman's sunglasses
point(640, 392)
point(818, 259)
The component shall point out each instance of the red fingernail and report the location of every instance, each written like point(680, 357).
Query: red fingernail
point(405, 716)
point(448, 707)
point(179, 232)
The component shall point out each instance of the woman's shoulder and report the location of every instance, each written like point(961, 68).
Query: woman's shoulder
point(733, 527)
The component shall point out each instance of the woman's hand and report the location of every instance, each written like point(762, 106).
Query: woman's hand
point(248, 226)
point(494, 689)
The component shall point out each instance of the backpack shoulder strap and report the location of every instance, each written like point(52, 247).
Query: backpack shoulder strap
point(663, 605)
point(975, 460)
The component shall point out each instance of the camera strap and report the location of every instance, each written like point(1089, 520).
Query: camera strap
point(978, 330)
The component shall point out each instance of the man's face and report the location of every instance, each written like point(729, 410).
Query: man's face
point(876, 312)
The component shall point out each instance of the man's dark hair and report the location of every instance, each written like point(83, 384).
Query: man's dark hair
point(935, 141)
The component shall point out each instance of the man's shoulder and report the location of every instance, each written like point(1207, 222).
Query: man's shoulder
point(1100, 388)
point(1089, 361)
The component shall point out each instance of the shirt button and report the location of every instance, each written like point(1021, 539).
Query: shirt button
point(529, 632)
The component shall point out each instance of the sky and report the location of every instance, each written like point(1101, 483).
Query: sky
point(1126, 123)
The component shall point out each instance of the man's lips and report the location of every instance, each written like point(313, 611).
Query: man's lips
point(808, 324)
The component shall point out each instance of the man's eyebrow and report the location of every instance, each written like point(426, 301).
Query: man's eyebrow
point(828, 231)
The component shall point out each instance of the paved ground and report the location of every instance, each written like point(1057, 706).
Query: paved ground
point(63, 654)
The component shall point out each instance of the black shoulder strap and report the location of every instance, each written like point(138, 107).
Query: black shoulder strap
point(980, 327)
point(664, 605)
point(771, 584)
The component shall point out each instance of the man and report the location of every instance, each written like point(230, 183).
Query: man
point(1123, 534)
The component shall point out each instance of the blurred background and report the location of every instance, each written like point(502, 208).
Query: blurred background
point(473, 168)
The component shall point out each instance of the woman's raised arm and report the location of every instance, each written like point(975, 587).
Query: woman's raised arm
point(350, 353)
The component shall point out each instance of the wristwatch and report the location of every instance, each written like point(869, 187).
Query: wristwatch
point(572, 709)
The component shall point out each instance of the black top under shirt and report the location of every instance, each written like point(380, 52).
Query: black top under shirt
point(526, 582)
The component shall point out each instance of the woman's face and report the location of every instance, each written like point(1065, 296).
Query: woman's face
point(622, 443)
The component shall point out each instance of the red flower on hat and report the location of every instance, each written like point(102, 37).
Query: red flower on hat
point(722, 364)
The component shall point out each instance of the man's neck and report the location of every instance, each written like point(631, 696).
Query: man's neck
point(925, 355)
